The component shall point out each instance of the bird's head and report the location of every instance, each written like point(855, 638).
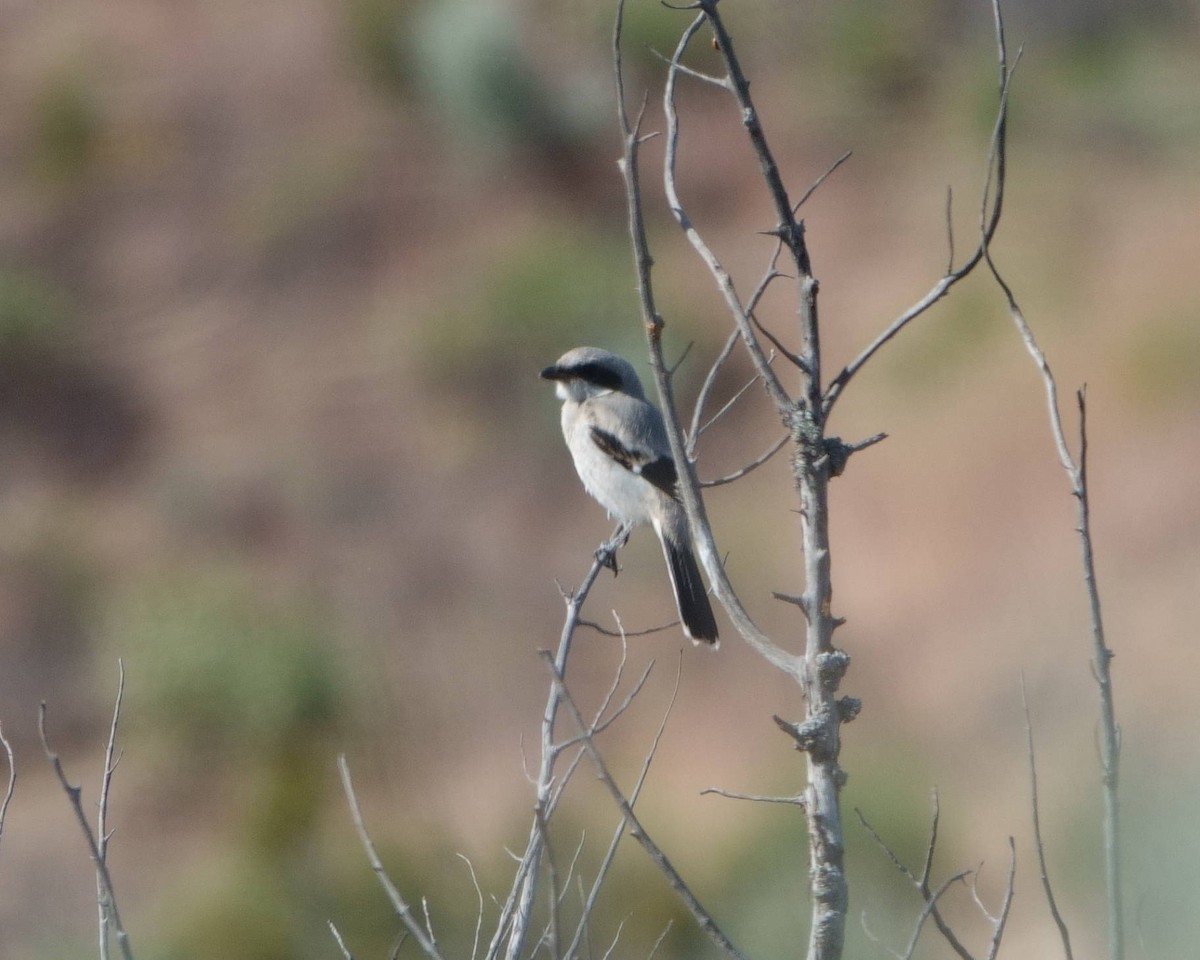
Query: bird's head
point(589, 371)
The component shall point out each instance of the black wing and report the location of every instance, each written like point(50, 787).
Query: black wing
point(659, 470)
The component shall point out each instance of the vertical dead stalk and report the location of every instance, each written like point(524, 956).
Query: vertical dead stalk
point(1102, 654)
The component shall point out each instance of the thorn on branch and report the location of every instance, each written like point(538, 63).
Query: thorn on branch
point(793, 598)
point(839, 452)
point(848, 708)
point(805, 734)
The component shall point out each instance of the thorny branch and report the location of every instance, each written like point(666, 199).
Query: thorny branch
point(816, 457)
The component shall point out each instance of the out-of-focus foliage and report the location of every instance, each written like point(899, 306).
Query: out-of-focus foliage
point(34, 313)
point(67, 128)
point(220, 669)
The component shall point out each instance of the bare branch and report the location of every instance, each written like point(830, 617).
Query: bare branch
point(920, 883)
point(752, 465)
point(930, 906)
point(424, 939)
point(1006, 906)
point(701, 916)
point(616, 936)
point(102, 834)
point(515, 914)
point(729, 404)
point(991, 205)
point(479, 896)
point(1102, 654)
point(688, 484)
point(606, 863)
point(706, 388)
point(721, 82)
point(774, 386)
point(1051, 901)
point(104, 878)
point(931, 846)
point(552, 893)
point(816, 184)
point(617, 634)
point(797, 801)
point(340, 942)
point(12, 781)
point(794, 358)
point(658, 943)
point(950, 229)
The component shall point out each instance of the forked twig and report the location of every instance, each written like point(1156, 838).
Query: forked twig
point(104, 878)
point(590, 901)
point(638, 831)
point(930, 906)
point(921, 883)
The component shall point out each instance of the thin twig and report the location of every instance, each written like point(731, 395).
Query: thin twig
point(741, 315)
point(729, 403)
point(340, 942)
point(705, 389)
point(794, 801)
point(920, 883)
point(658, 943)
point(752, 465)
point(721, 82)
point(74, 794)
point(1102, 654)
point(479, 912)
point(816, 184)
point(991, 204)
point(930, 906)
point(517, 909)
point(102, 834)
point(688, 485)
point(606, 863)
point(638, 831)
point(401, 908)
point(12, 781)
point(1051, 901)
point(552, 891)
point(605, 632)
point(1006, 906)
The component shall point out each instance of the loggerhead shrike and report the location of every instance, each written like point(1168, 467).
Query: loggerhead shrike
point(619, 445)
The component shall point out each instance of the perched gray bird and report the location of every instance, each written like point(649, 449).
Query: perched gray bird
point(619, 445)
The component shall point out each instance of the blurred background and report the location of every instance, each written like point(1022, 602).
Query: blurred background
point(276, 280)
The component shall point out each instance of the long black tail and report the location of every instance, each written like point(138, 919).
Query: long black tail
point(695, 612)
